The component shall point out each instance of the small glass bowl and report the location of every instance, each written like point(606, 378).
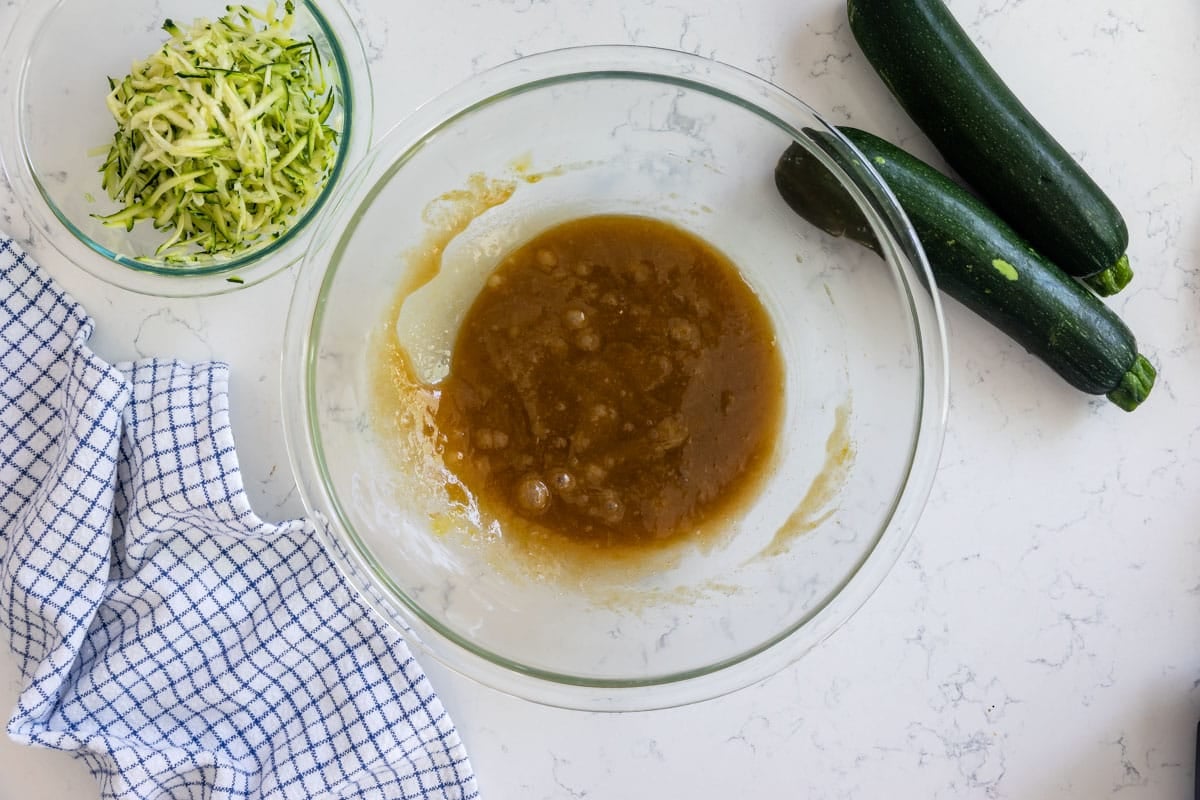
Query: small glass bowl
point(484, 168)
point(54, 71)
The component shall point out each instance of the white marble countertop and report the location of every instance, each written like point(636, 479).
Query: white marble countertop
point(1040, 637)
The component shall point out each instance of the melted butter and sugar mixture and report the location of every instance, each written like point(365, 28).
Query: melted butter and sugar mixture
point(616, 383)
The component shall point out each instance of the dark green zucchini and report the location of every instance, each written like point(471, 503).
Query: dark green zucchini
point(980, 261)
point(984, 132)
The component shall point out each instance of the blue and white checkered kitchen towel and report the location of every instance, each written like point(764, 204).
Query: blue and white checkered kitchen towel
point(178, 644)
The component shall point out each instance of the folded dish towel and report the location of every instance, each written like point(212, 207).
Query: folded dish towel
point(178, 644)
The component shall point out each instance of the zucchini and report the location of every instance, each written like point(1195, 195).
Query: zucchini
point(979, 260)
point(222, 137)
point(989, 138)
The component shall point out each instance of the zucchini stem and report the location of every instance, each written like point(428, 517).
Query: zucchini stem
point(1112, 280)
point(1135, 384)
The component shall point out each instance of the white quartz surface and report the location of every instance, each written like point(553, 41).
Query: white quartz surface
point(1040, 637)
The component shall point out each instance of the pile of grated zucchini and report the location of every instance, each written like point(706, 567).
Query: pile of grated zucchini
point(221, 135)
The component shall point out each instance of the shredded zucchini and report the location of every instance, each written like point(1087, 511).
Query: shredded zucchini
point(221, 135)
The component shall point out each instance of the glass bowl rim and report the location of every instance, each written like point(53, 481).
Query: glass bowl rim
point(211, 278)
point(305, 316)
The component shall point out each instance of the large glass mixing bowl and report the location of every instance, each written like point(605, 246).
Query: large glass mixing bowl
point(477, 172)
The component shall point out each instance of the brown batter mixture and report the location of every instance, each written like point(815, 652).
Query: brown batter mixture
point(616, 382)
